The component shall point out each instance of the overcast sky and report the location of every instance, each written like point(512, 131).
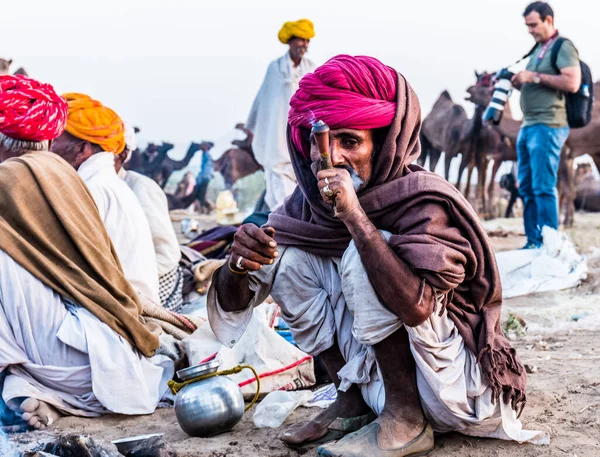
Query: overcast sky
point(187, 69)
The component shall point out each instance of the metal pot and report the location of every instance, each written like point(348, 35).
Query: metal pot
point(209, 406)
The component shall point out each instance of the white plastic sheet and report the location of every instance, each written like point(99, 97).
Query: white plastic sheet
point(280, 365)
point(555, 266)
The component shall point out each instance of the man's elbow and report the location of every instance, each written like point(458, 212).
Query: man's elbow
point(418, 316)
point(574, 87)
point(574, 83)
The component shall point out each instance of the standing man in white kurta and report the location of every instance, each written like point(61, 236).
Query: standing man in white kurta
point(268, 116)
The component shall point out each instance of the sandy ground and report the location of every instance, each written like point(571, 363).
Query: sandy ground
point(561, 344)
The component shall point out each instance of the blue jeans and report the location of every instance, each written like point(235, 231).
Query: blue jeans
point(538, 152)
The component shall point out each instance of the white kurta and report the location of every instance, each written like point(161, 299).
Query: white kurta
point(268, 121)
point(328, 300)
point(125, 223)
point(156, 208)
point(61, 354)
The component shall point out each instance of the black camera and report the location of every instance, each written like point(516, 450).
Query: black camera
point(502, 89)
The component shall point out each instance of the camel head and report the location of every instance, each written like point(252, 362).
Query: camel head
point(5, 66)
point(481, 92)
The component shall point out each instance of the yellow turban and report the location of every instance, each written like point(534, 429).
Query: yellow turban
point(302, 29)
point(90, 120)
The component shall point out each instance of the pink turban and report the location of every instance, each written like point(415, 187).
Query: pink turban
point(30, 110)
point(346, 92)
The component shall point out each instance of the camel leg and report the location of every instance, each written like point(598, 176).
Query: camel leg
point(468, 186)
point(447, 162)
point(481, 180)
point(571, 193)
point(566, 187)
point(492, 184)
point(463, 164)
point(434, 158)
point(423, 156)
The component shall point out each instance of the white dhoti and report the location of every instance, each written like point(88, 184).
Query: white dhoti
point(325, 298)
point(61, 354)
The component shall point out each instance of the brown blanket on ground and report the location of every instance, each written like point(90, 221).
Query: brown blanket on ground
point(435, 231)
point(50, 225)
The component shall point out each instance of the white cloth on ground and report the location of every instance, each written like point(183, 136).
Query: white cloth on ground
point(156, 208)
point(268, 121)
point(61, 354)
point(322, 298)
point(124, 221)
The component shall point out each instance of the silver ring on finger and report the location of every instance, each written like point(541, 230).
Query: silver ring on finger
point(238, 264)
point(327, 192)
point(327, 182)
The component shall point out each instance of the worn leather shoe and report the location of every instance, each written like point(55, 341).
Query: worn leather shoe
point(365, 442)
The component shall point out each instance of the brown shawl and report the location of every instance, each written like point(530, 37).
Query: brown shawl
point(458, 262)
point(50, 225)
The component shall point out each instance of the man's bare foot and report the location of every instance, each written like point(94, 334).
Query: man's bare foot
point(396, 431)
point(347, 404)
point(39, 414)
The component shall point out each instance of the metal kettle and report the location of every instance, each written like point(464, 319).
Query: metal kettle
point(207, 402)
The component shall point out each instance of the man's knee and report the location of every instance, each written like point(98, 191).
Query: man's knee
point(373, 322)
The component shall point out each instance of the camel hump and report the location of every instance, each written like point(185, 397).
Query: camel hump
point(457, 110)
point(446, 94)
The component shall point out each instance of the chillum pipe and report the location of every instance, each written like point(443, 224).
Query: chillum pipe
point(321, 132)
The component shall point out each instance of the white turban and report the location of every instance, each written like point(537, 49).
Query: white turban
point(130, 140)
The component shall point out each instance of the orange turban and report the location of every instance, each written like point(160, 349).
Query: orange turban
point(90, 120)
point(301, 29)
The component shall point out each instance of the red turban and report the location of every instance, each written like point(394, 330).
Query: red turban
point(346, 92)
point(30, 110)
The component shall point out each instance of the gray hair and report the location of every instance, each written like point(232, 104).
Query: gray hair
point(15, 146)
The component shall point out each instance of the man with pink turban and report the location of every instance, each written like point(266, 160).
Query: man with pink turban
point(268, 116)
point(395, 286)
point(72, 337)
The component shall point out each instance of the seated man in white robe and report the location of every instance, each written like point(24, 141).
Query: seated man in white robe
point(383, 270)
point(156, 208)
point(72, 339)
point(94, 134)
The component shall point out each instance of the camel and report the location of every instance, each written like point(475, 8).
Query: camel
point(478, 143)
point(441, 131)
point(155, 162)
point(237, 163)
point(505, 150)
point(168, 165)
point(186, 201)
point(5, 68)
point(148, 161)
point(581, 141)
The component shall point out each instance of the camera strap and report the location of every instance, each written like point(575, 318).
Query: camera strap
point(543, 52)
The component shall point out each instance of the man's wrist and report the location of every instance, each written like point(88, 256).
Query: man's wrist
point(537, 78)
point(351, 216)
point(357, 222)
